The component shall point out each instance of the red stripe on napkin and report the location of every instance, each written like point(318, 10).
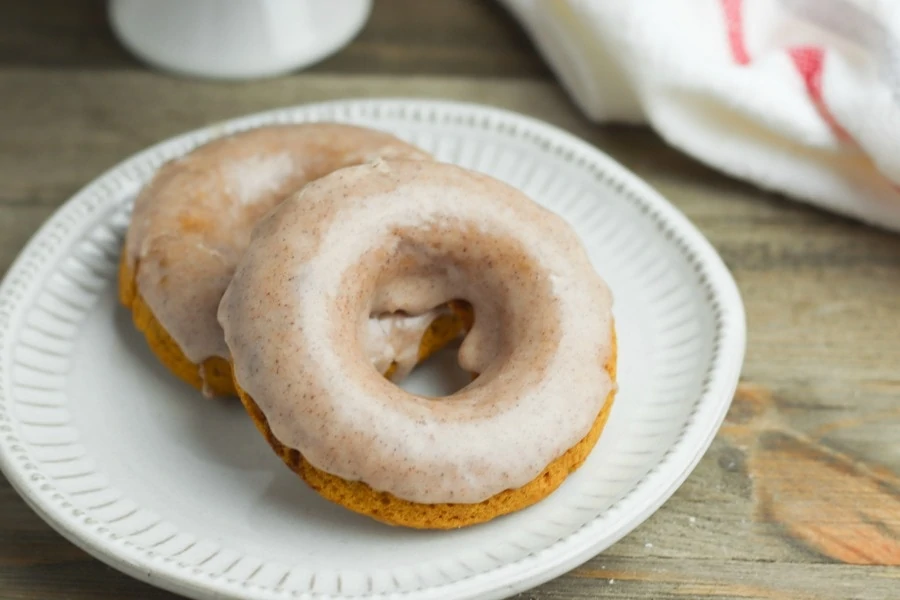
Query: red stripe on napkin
point(734, 21)
point(810, 62)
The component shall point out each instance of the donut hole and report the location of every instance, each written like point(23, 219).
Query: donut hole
point(509, 317)
point(439, 375)
point(428, 346)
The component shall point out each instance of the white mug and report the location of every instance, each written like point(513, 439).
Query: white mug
point(235, 39)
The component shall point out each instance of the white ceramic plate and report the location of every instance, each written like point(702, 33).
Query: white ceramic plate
point(183, 493)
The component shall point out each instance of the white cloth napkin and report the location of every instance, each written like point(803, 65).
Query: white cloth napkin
point(797, 96)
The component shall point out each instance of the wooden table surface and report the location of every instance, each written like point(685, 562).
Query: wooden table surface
point(799, 496)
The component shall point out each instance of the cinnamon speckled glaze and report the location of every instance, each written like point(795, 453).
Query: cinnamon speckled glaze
point(192, 223)
point(410, 236)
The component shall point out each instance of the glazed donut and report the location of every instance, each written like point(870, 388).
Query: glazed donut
point(192, 222)
point(408, 236)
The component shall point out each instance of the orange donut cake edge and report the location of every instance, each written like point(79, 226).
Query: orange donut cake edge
point(387, 508)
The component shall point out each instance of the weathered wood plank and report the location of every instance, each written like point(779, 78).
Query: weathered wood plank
point(110, 115)
point(720, 579)
point(17, 225)
point(410, 37)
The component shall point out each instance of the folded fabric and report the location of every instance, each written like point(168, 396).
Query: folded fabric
point(797, 96)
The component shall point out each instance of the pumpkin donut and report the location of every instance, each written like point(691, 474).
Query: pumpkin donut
point(192, 223)
point(409, 236)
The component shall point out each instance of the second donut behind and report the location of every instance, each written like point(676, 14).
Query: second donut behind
point(191, 225)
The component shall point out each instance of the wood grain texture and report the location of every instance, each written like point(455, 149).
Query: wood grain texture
point(408, 37)
point(797, 498)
